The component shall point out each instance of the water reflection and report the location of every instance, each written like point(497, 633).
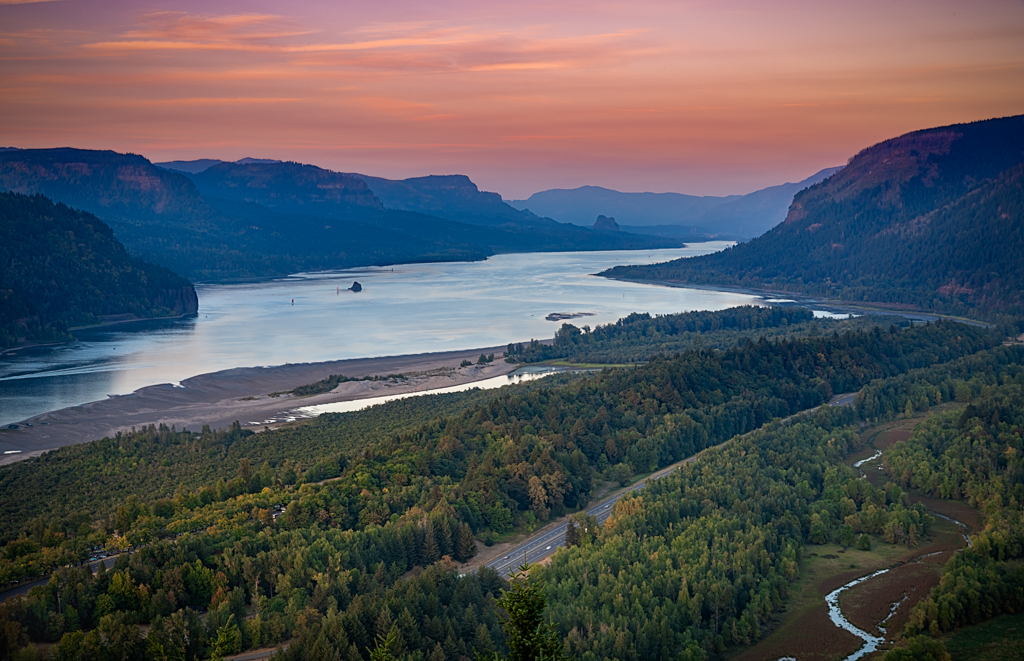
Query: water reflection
point(521, 375)
point(310, 317)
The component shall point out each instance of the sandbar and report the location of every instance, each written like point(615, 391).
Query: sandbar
point(243, 394)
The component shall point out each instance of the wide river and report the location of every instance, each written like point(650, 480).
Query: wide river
point(309, 317)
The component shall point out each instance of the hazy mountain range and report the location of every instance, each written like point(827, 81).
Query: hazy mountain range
point(933, 218)
point(732, 216)
point(262, 218)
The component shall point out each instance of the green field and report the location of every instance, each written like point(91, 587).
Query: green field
point(1000, 638)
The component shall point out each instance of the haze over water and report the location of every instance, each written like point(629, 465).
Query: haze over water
point(415, 308)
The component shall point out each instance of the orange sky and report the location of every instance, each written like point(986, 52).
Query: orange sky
point(694, 97)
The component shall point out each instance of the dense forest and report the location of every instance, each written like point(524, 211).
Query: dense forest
point(933, 219)
point(310, 533)
point(504, 462)
point(61, 268)
point(266, 219)
point(638, 337)
point(973, 454)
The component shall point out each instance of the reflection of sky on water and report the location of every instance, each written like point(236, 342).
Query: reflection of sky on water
point(412, 309)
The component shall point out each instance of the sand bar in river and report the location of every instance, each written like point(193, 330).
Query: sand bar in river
point(219, 398)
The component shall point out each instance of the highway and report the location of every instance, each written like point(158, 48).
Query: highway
point(546, 542)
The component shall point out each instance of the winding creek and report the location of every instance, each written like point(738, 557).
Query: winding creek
point(835, 613)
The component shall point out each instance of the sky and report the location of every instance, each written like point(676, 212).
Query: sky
point(705, 98)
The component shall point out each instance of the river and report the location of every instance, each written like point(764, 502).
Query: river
point(311, 317)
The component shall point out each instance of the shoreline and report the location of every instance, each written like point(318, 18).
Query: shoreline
point(219, 398)
point(103, 324)
point(807, 301)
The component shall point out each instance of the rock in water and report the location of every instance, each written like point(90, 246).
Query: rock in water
point(356, 286)
point(606, 224)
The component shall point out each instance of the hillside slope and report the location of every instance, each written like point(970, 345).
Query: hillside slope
point(755, 213)
point(259, 218)
point(933, 219)
point(61, 268)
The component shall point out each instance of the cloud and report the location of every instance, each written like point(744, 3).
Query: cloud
point(400, 48)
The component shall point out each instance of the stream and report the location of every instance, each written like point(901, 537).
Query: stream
point(871, 642)
point(837, 617)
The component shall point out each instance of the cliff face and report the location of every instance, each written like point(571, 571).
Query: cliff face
point(181, 301)
point(290, 187)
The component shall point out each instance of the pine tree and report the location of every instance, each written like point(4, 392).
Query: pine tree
point(465, 547)
point(527, 636)
point(429, 553)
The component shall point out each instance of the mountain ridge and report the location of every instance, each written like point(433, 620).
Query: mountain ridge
point(731, 216)
point(932, 219)
point(263, 219)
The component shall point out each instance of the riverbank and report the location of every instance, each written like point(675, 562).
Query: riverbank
point(123, 320)
point(244, 394)
point(778, 296)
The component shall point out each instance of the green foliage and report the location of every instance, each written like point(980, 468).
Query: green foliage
point(527, 636)
point(228, 641)
point(638, 337)
point(61, 268)
point(531, 453)
point(701, 559)
point(994, 640)
point(973, 454)
point(333, 381)
point(919, 648)
point(335, 532)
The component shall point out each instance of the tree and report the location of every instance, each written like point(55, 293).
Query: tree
point(228, 640)
point(527, 636)
point(572, 534)
point(386, 645)
point(465, 547)
point(919, 648)
point(864, 542)
point(846, 535)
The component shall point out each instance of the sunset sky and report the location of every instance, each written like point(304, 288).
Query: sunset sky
point(693, 97)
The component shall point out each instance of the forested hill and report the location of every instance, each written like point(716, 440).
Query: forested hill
point(258, 219)
point(934, 219)
point(61, 268)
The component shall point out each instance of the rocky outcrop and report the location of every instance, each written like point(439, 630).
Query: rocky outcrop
point(181, 301)
point(606, 224)
point(356, 287)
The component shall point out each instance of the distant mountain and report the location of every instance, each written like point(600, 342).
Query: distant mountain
point(450, 207)
point(191, 167)
point(286, 187)
point(933, 218)
point(268, 218)
point(733, 216)
point(61, 268)
point(755, 213)
point(581, 206)
point(449, 196)
point(200, 164)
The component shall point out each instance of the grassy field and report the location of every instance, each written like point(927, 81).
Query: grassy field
point(998, 639)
